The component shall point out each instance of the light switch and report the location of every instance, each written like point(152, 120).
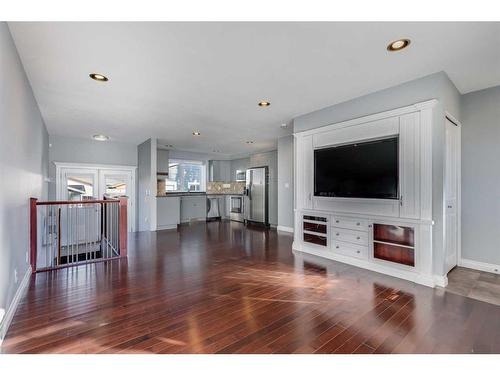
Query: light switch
point(287, 185)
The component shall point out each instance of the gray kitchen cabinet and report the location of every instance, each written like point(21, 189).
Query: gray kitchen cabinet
point(167, 212)
point(193, 208)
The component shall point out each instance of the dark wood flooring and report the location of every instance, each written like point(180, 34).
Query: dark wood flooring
point(223, 288)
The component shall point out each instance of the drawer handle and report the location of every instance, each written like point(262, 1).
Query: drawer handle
point(358, 223)
point(337, 221)
point(337, 246)
point(358, 251)
point(358, 238)
point(337, 234)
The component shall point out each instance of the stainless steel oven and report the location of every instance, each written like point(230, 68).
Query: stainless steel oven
point(236, 208)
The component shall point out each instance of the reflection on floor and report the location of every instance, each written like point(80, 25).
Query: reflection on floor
point(483, 286)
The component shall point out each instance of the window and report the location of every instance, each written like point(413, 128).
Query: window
point(186, 175)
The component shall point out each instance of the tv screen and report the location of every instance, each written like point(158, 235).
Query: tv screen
point(358, 170)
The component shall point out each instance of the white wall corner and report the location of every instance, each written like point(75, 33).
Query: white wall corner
point(9, 315)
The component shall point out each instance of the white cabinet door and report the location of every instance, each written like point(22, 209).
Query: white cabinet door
point(451, 183)
point(409, 165)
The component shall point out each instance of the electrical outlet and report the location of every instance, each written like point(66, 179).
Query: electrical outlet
point(15, 276)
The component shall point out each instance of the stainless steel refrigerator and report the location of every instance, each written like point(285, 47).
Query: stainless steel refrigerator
point(257, 196)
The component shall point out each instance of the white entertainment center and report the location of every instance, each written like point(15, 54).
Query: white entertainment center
point(390, 236)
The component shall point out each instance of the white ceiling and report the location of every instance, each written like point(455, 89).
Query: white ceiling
point(168, 79)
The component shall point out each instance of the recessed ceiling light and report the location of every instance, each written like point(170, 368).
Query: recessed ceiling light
point(249, 142)
point(263, 103)
point(98, 77)
point(284, 125)
point(100, 137)
point(196, 133)
point(398, 45)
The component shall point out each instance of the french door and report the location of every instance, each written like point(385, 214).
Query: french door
point(82, 182)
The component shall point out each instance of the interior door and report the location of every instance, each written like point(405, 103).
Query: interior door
point(119, 183)
point(452, 173)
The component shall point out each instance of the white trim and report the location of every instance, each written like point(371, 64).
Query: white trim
point(168, 226)
point(374, 117)
point(480, 266)
point(93, 166)
point(283, 228)
point(9, 315)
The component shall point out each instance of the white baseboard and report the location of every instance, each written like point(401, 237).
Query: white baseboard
point(284, 229)
point(9, 315)
point(164, 227)
point(480, 266)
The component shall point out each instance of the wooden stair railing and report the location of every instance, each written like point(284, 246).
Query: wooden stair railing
point(68, 233)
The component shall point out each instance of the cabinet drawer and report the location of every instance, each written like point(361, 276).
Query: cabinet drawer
point(350, 250)
point(349, 235)
point(350, 223)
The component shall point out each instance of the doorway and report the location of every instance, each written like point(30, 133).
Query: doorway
point(452, 193)
point(76, 182)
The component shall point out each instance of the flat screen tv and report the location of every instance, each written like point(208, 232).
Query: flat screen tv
point(358, 170)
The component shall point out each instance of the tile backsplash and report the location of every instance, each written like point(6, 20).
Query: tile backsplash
point(220, 187)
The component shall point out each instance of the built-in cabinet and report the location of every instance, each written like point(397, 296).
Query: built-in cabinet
point(392, 236)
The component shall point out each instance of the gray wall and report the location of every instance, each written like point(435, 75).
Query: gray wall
point(435, 86)
point(23, 166)
point(481, 176)
point(285, 182)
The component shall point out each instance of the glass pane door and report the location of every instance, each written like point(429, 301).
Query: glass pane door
point(118, 183)
point(79, 184)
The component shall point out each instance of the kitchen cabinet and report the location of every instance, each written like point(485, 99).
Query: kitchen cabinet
point(162, 161)
point(220, 170)
point(167, 212)
point(193, 208)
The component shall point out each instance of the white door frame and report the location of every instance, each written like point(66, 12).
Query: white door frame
point(449, 116)
point(60, 188)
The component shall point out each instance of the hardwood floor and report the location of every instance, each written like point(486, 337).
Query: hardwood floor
point(223, 288)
